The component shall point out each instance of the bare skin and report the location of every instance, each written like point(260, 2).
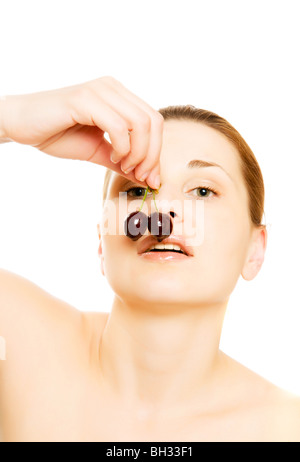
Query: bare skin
point(51, 387)
point(151, 370)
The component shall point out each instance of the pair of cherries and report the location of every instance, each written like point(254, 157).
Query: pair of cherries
point(159, 225)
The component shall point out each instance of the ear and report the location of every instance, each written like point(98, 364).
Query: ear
point(100, 251)
point(256, 254)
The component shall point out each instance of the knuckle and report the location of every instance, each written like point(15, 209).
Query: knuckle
point(141, 169)
point(158, 120)
point(144, 122)
point(134, 157)
point(119, 126)
point(83, 92)
point(108, 79)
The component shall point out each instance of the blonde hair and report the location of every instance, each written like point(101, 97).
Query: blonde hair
point(249, 166)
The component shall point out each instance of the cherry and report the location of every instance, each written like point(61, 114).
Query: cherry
point(135, 225)
point(160, 225)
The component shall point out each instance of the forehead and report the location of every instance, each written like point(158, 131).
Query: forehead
point(185, 140)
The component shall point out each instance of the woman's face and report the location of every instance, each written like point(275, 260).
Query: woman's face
point(217, 229)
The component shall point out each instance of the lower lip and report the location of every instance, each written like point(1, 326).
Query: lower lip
point(163, 256)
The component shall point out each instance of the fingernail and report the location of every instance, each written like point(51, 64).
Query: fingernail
point(114, 159)
point(144, 176)
point(128, 170)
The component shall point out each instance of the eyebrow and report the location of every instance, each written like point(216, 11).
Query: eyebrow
point(198, 163)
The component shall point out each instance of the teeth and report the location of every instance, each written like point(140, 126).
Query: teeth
point(165, 246)
point(157, 246)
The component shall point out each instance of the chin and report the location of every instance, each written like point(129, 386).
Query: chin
point(160, 290)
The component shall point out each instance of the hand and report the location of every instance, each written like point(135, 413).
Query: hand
point(71, 122)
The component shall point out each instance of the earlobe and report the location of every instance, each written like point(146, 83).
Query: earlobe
point(256, 254)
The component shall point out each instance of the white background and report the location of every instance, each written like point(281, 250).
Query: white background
point(237, 58)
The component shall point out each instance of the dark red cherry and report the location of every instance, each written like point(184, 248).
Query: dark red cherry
point(160, 225)
point(135, 225)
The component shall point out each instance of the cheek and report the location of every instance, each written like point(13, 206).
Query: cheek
point(227, 233)
point(114, 262)
point(225, 240)
point(110, 223)
point(115, 245)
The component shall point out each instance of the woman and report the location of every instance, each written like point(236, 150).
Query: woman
point(151, 369)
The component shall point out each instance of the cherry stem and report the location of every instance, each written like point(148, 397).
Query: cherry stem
point(144, 198)
point(154, 199)
point(145, 195)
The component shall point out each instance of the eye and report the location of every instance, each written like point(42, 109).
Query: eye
point(203, 192)
point(136, 192)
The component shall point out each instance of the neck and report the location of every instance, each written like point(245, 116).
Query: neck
point(160, 358)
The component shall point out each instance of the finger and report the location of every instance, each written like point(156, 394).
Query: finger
point(122, 90)
point(138, 123)
point(87, 109)
point(102, 157)
point(156, 132)
point(152, 161)
point(153, 179)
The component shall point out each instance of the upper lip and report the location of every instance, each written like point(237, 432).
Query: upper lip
point(149, 241)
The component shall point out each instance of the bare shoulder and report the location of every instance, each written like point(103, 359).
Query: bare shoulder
point(274, 412)
point(285, 409)
point(39, 332)
point(25, 308)
point(47, 341)
point(34, 326)
point(33, 322)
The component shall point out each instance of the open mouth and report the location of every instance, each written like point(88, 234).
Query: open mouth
point(172, 248)
point(166, 248)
